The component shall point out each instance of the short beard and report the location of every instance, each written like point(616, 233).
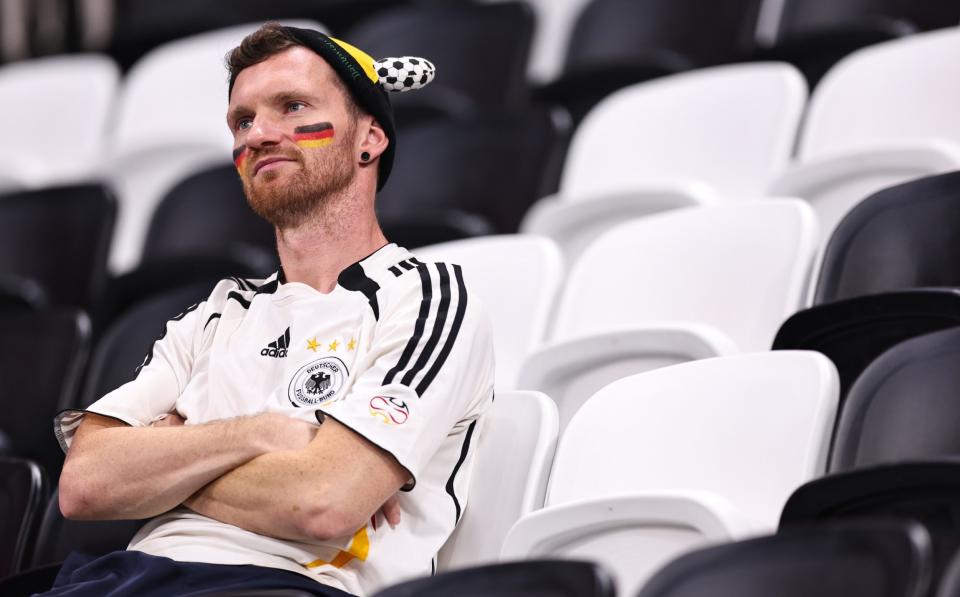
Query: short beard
point(304, 193)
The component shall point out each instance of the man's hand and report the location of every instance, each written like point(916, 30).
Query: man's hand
point(168, 420)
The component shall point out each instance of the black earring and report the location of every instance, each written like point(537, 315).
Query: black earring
point(364, 157)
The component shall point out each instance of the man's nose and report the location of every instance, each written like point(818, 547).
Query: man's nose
point(264, 132)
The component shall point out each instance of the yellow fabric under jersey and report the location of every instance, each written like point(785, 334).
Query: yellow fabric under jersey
point(399, 351)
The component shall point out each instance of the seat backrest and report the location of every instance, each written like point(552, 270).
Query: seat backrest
point(456, 38)
point(170, 123)
point(509, 479)
point(40, 365)
point(730, 127)
point(536, 578)
point(856, 107)
point(206, 214)
point(494, 165)
point(889, 559)
point(22, 498)
point(799, 17)
point(58, 537)
point(59, 237)
point(749, 428)
point(901, 237)
point(55, 141)
point(125, 344)
point(518, 278)
point(625, 31)
point(854, 332)
point(903, 406)
point(740, 268)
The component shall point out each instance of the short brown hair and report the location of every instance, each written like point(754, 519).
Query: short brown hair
point(269, 40)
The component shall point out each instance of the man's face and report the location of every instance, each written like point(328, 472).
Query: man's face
point(293, 135)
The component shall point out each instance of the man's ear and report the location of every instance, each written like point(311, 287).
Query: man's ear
point(374, 140)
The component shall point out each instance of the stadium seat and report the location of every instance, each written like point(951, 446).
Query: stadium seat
point(23, 493)
point(661, 462)
point(58, 237)
point(926, 492)
point(900, 237)
point(950, 583)
point(674, 287)
point(57, 115)
point(18, 293)
point(141, 25)
point(883, 115)
point(170, 123)
point(516, 448)
point(473, 74)
point(531, 267)
point(123, 346)
point(43, 355)
point(719, 134)
point(903, 406)
point(544, 578)
point(615, 43)
point(494, 166)
point(853, 332)
point(815, 34)
point(207, 214)
point(413, 230)
point(882, 559)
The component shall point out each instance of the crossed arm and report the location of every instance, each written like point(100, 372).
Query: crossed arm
point(268, 473)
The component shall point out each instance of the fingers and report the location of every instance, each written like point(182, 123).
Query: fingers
point(168, 420)
point(391, 511)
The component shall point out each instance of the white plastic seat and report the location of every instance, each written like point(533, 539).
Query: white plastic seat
point(56, 112)
point(662, 462)
point(509, 480)
point(682, 285)
point(690, 139)
point(171, 122)
point(518, 279)
point(883, 115)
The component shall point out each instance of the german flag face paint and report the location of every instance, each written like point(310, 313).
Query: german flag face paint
point(239, 157)
point(313, 135)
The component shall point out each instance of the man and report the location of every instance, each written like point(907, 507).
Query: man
point(312, 430)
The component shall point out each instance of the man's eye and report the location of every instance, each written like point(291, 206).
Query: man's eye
point(296, 106)
point(244, 123)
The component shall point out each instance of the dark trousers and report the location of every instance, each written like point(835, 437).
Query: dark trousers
point(132, 573)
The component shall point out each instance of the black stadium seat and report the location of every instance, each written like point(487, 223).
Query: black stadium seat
point(853, 332)
point(480, 51)
point(494, 166)
point(889, 559)
point(815, 34)
point(534, 578)
point(619, 42)
point(905, 236)
point(23, 494)
point(40, 364)
point(59, 237)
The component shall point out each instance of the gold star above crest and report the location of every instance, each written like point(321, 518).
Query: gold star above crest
point(352, 344)
point(333, 346)
point(312, 344)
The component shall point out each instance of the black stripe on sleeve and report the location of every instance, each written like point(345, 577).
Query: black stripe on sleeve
point(239, 298)
point(437, 331)
point(426, 299)
point(396, 271)
point(451, 337)
point(405, 264)
point(463, 456)
point(149, 357)
point(211, 318)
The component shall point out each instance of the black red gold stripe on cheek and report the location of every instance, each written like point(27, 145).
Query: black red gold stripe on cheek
point(314, 135)
point(239, 155)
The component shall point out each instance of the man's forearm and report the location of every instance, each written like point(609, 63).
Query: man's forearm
point(291, 495)
point(117, 472)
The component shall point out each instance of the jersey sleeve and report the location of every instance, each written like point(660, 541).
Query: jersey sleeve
point(429, 368)
point(160, 380)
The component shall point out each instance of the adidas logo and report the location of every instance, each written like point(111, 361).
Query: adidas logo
point(278, 348)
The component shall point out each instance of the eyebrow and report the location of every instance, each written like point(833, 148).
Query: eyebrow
point(280, 97)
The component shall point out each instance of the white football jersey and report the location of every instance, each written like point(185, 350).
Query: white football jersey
point(399, 351)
